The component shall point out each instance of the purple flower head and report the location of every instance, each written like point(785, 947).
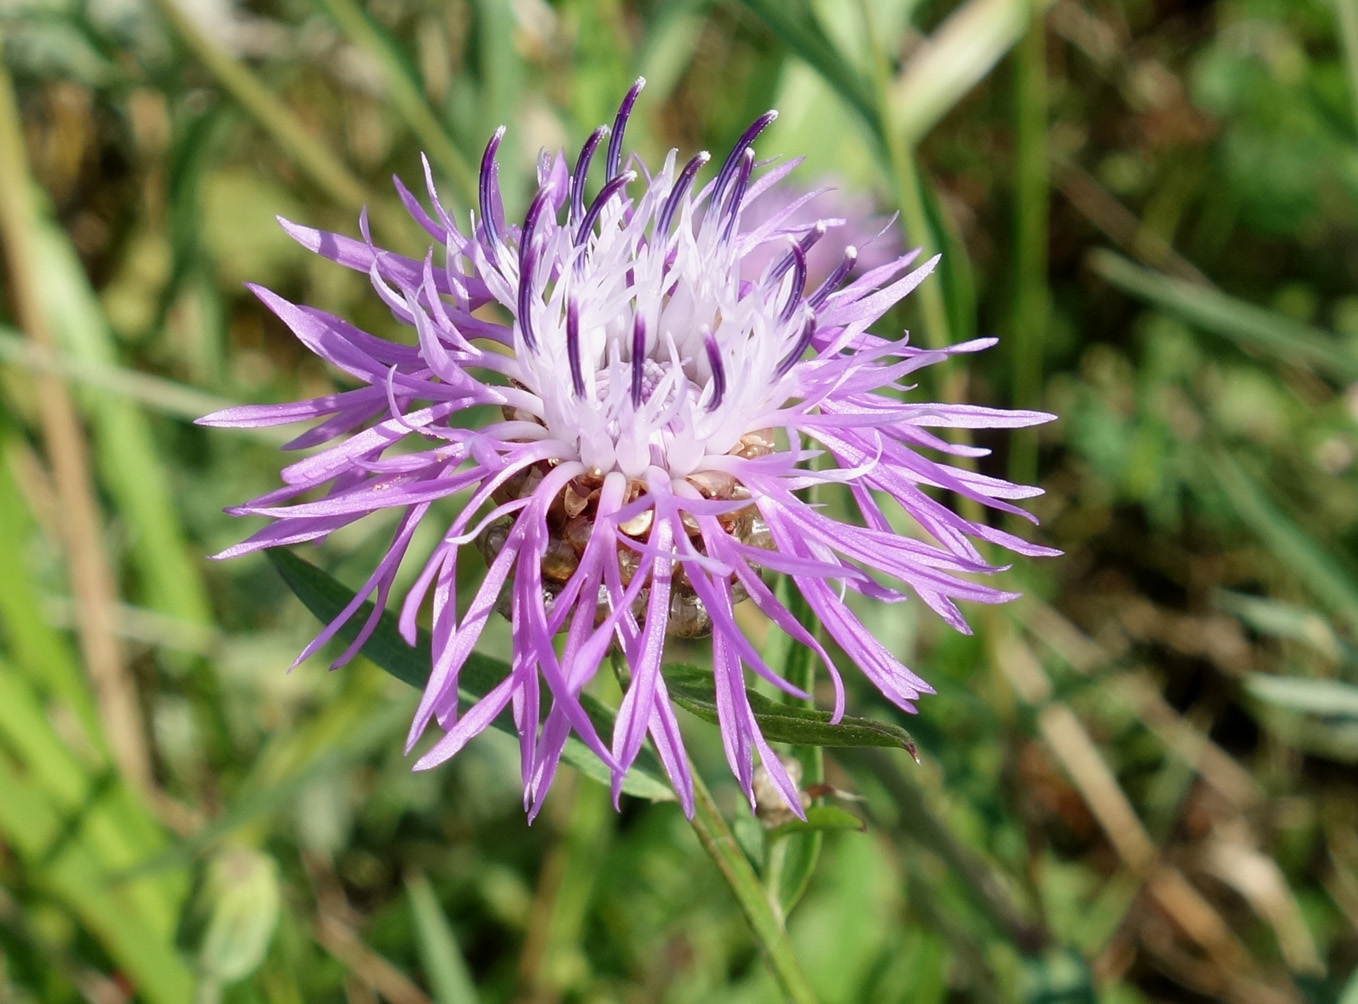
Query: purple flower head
point(658, 411)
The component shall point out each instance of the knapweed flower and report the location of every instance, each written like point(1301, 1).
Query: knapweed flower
point(656, 421)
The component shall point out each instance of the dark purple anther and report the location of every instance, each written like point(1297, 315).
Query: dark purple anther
point(718, 370)
point(582, 171)
point(614, 161)
point(614, 186)
point(728, 169)
point(527, 259)
point(795, 353)
point(731, 210)
point(808, 241)
point(638, 358)
point(681, 186)
point(530, 226)
point(827, 287)
point(489, 172)
point(794, 295)
point(573, 347)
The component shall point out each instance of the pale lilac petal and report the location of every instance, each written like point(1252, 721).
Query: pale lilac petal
point(621, 401)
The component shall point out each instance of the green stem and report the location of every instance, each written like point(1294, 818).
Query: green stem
point(1030, 236)
point(908, 186)
point(919, 229)
point(1347, 12)
point(720, 843)
point(406, 96)
point(792, 860)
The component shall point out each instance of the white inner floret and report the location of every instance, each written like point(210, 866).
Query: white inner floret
point(681, 289)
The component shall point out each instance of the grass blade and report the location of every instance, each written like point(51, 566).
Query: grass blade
point(447, 970)
point(1248, 326)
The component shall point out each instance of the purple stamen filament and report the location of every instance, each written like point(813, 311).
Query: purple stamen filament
point(638, 359)
point(614, 186)
point(573, 347)
point(718, 370)
point(614, 161)
point(582, 171)
point(486, 190)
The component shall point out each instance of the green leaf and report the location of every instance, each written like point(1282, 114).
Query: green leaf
point(692, 690)
point(820, 819)
point(1316, 716)
point(444, 964)
point(1328, 698)
point(325, 598)
point(1319, 565)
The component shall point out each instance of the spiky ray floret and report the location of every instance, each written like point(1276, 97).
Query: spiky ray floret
point(658, 418)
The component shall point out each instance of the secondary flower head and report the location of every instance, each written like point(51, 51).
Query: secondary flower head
point(660, 416)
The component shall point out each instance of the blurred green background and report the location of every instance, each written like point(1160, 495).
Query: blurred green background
point(1137, 783)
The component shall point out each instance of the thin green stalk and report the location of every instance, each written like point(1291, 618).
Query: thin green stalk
point(756, 900)
point(92, 577)
point(406, 95)
point(1031, 185)
point(1347, 12)
point(908, 185)
point(310, 154)
point(792, 860)
point(720, 843)
point(919, 230)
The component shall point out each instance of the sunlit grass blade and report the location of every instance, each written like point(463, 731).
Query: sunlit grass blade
point(444, 964)
point(156, 393)
point(1032, 185)
point(125, 452)
point(1295, 549)
point(957, 56)
point(59, 862)
point(1315, 716)
point(795, 25)
point(1278, 619)
point(42, 654)
point(1280, 337)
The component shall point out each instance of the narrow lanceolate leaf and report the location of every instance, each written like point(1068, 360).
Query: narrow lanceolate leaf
point(1324, 698)
point(820, 818)
point(692, 690)
point(325, 598)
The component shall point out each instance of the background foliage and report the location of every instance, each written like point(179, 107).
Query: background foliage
point(1136, 783)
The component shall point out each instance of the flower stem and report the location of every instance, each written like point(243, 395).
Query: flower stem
point(720, 843)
